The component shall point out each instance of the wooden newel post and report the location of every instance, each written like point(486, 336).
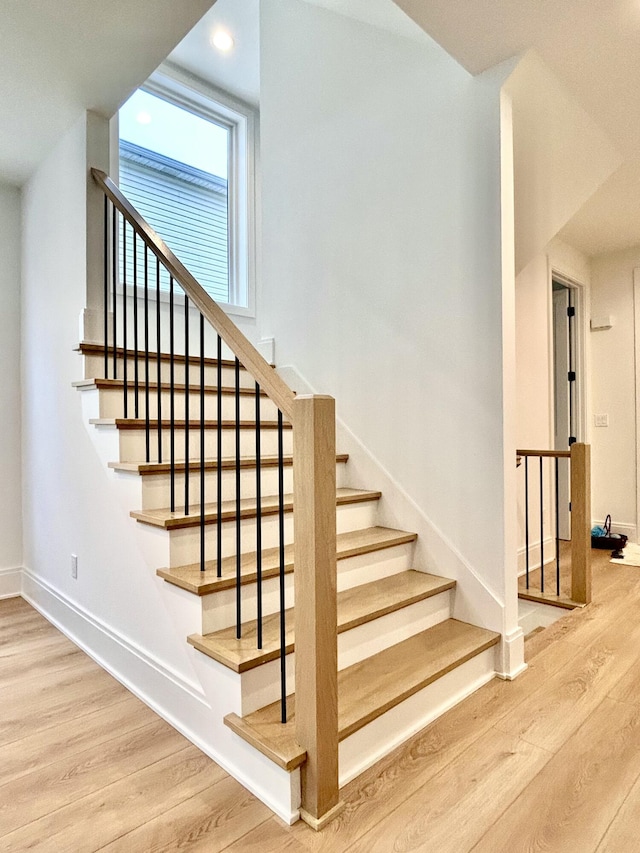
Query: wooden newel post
point(314, 477)
point(581, 523)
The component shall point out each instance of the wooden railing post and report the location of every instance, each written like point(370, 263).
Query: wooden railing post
point(581, 523)
point(316, 712)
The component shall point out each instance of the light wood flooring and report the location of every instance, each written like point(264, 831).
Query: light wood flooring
point(549, 762)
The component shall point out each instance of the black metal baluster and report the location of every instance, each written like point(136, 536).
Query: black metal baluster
point(541, 528)
point(136, 375)
point(186, 405)
point(124, 317)
point(106, 287)
point(114, 293)
point(202, 491)
point(146, 355)
point(526, 516)
point(238, 536)
point(283, 652)
point(557, 532)
point(172, 403)
point(219, 457)
point(158, 359)
point(258, 518)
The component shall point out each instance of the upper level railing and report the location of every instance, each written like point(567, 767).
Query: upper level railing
point(554, 572)
point(137, 266)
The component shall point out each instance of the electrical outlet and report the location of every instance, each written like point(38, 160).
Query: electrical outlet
point(602, 420)
point(74, 566)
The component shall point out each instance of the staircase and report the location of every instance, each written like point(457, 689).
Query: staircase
point(204, 451)
point(402, 659)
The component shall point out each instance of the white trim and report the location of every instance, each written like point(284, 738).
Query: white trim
point(549, 547)
point(510, 655)
point(165, 691)
point(185, 90)
point(10, 583)
point(52, 603)
point(580, 348)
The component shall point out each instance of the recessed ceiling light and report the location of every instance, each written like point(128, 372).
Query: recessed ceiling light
point(222, 40)
point(143, 118)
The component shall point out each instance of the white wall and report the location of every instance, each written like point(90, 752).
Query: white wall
point(613, 391)
point(561, 156)
point(67, 506)
point(382, 275)
point(10, 473)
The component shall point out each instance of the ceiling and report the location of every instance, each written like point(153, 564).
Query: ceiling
point(237, 71)
point(592, 46)
point(60, 58)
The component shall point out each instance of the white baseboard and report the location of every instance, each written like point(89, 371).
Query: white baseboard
point(181, 703)
point(548, 551)
point(510, 661)
point(10, 583)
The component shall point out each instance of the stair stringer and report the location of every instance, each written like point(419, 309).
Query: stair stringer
point(210, 693)
point(473, 600)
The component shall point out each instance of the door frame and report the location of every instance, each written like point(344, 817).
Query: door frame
point(580, 352)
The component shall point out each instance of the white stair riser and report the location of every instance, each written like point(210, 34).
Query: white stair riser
point(375, 740)
point(366, 568)
point(133, 443)
point(185, 542)
point(112, 405)
point(219, 608)
point(156, 487)
point(372, 637)
point(261, 685)
point(94, 369)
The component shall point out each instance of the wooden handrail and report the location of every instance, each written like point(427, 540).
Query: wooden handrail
point(554, 454)
point(314, 464)
point(248, 355)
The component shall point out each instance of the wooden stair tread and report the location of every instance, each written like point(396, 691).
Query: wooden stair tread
point(85, 348)
point(349, 544)
point(356, 606)
point(194, 423)
point(369, 688)
point(549, 598)
point(248, 509)
point(118, 384)
point(148, 468)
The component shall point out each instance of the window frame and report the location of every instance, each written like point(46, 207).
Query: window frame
point(190, 93)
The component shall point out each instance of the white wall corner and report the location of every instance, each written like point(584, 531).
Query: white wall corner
point(10, 583)
point(510, 661)
point(97, 156)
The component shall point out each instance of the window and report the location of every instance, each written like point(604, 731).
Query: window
point(186, 163)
